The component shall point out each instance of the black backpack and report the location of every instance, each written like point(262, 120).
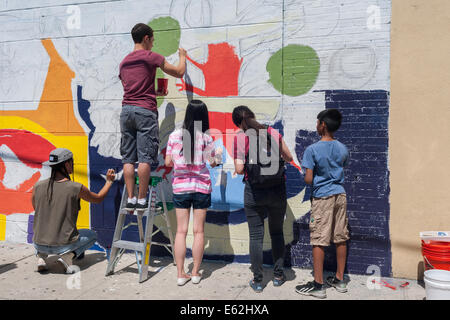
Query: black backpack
point(258, 164)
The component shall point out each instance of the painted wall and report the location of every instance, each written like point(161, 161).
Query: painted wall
point(419, 131)
point(287, 60)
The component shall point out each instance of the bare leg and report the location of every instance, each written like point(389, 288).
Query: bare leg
point(318, 257)
point(180, 240)
point(199, 239)
point(128, 176)
point(341, 256)
point(144, 178)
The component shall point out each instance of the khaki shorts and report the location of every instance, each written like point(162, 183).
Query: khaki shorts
point(329, 221)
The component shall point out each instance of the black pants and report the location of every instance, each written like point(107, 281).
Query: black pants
point(259, 204)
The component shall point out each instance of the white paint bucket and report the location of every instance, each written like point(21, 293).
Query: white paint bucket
point(437, 284)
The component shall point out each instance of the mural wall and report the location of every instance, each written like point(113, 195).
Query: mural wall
point(286, 60)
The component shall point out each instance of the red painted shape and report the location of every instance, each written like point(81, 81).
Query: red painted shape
point(296, 166)
point(167, 170)
point(223, 122)
point(31, 150)
point(221, 72)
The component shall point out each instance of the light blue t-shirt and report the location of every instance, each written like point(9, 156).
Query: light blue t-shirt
point(327, 159)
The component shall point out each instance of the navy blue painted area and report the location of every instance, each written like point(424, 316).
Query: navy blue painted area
point(30, 228)
point(226, 217)
point(365, 133)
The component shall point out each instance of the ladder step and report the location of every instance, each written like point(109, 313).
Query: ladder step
point(128, 245)
point(145, 212)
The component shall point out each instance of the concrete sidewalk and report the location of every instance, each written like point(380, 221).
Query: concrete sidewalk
point(221, 281)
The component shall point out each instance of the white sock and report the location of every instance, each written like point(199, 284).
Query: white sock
point(132, 200)
point(141, 201)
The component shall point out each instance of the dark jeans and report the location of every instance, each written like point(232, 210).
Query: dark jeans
point(259, 204)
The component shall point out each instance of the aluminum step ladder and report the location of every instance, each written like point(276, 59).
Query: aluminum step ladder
point(142, 248)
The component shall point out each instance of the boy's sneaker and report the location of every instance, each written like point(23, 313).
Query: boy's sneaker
point(130, 206)
point(66, 261)
point(41, 264)
point(141, 207)
point(312, 289)
point(339, 285)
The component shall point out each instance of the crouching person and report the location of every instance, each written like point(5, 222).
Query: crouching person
point(56, 202)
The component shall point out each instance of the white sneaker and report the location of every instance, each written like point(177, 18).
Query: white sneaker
point(196, 279)
point(66, 261)
point(41, 264)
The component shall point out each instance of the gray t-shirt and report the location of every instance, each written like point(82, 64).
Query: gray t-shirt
point(55, 221)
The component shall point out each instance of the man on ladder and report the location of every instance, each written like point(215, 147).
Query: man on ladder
point(139, 116)
point(139, 126)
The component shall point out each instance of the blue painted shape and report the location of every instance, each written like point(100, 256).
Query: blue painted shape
point(30, 228)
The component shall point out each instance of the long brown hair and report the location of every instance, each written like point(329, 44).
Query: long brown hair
point(243, 116)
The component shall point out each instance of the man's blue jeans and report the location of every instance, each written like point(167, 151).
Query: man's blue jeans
point(86, 240)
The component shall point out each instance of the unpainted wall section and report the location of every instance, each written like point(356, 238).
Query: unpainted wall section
point(419, 132)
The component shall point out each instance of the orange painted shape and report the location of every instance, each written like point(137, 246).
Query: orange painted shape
point(55, 111)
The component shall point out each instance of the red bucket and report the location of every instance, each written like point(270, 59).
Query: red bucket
point(436, 255)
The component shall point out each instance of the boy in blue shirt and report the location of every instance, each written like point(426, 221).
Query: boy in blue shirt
point(324, 163)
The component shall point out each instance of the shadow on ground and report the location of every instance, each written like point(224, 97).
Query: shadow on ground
point(207, 268)
point(7, 267)
point(156, 263)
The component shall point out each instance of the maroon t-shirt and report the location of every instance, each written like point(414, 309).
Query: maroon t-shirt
point(137, 72)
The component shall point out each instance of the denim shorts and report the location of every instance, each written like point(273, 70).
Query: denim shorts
point(86, 240)
point(196, 199)
point(139, 140)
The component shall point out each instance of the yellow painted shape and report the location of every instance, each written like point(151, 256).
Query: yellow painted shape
point(147, 253)
point(2, 227)
point(77, 144)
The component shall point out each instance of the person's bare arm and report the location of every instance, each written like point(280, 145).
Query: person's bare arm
point(168, 162)
point(309, 176)
point(239, 166)
point(175, 71)
point(93, 197)
point(285, 153)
